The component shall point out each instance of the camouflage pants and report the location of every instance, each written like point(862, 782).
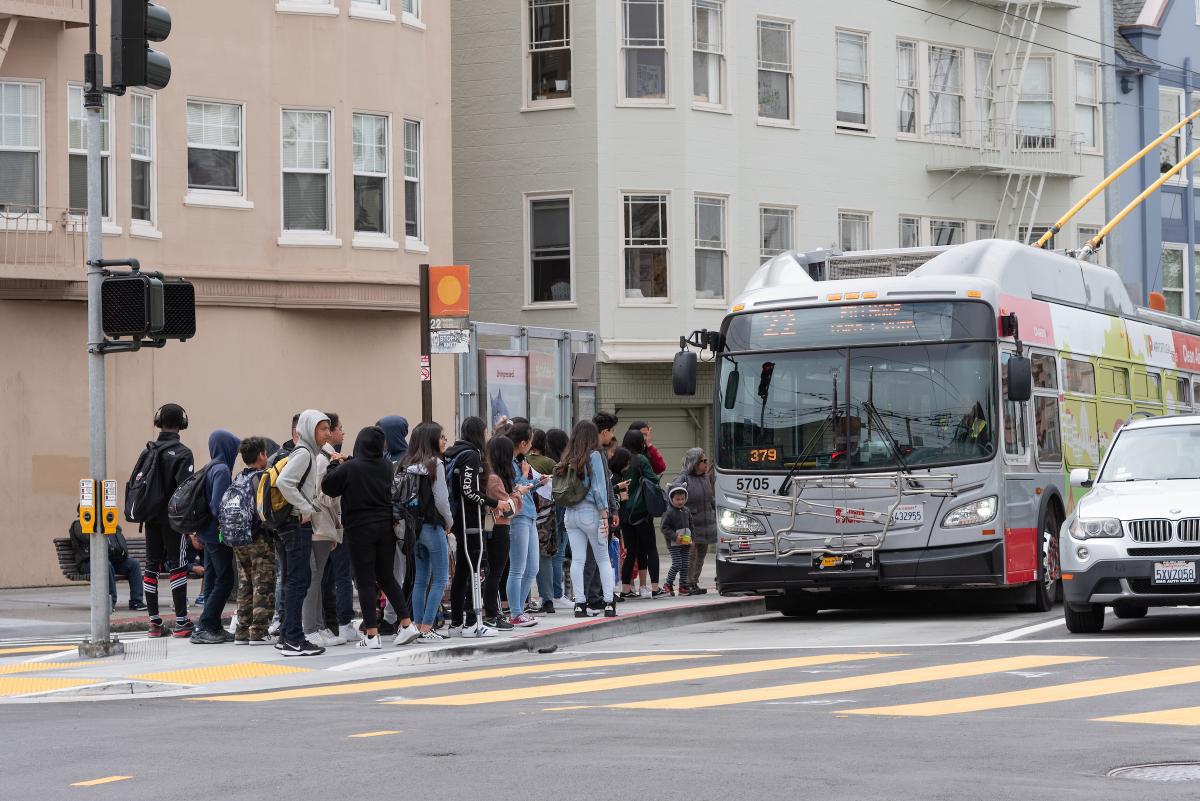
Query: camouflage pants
point(256, 592)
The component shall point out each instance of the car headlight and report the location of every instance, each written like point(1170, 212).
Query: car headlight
point(1094, 527)
point(737, 523)
point(975, 513)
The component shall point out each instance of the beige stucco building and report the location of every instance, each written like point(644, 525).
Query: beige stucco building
point(297, 169)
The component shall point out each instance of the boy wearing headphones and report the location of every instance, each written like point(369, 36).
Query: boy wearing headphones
point(164, 545)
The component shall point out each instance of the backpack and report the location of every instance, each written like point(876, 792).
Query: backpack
point(237, 517)
point(272, 509)
point(411, 497)
point(188, 510)
point(567, 488)
point(145, 491)
point(656, 499)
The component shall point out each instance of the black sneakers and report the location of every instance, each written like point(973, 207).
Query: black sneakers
point(304, 648)
point(499, 623)
point(547, 607)
point(201, 637)
point(610, 609)
point(581, 610)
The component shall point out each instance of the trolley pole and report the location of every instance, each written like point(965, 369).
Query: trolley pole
point(100, 643)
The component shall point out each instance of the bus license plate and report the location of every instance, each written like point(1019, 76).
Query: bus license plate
point(1174, 572)
point(910, 514)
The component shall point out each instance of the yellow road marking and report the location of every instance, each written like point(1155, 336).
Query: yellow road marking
point(383, 733)
point(567, 708)
point(37, 667)
point(444, 678)
point(1185, 716)
point(35, 649)
point(637, 680)
point(105, 780)
point(1043, 695)
point(854, 683)
point(23, 685)
point(211, 675)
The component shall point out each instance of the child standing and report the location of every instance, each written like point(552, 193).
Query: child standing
point(677, 529)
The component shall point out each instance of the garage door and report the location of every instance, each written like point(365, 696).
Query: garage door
point(675, 430)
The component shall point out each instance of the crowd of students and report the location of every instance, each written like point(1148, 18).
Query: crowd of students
point(390, 518)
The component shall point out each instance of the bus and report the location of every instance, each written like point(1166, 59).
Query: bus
point(916, 431)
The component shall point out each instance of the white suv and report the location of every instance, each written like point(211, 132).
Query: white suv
point(1134, 540)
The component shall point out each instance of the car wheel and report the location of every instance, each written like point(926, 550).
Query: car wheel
point(1049, 575)
point(1127, 612)
point(1089, 621)
point(800, 606)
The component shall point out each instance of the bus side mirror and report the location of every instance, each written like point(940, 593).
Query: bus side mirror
point(731, 389)
point(1020, 379)
point(683, 373)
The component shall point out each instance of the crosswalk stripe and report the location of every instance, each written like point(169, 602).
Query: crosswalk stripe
point(1185, 716)
point(23, 685)
point(217, 673)
point(870, 681)
point(325, 690)
point(1041, 695)
point(105, 780)
point(637, 680)
point(34, 649)
point(38, 667)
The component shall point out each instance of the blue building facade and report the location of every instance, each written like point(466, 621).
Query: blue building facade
point(1158, 83)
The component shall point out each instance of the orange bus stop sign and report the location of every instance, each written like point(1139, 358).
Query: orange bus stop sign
point(450, 291)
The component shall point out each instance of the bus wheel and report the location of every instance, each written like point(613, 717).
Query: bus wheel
point(801, 605)
point(1046, 583)
point(1089, 621)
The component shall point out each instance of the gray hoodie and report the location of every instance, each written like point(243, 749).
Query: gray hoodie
point(326, 524)
point(303, 496)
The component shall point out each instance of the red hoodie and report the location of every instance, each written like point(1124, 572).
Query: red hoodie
point(657, 463)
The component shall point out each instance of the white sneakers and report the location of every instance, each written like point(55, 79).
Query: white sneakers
point(562, 603)
point(324, 637)
point(374, 643)
point(406, 635)
point(348, 632)
point(645, 592)
point(478, 631)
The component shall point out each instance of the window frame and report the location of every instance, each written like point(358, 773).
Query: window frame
point(984, 93)
point(375, 10)
point(137, 227)
point(108, 221)
point(528, 103)
point(529, 198)
point(414, 18)
point(763, 208)
point(720, 301)
point(914, 87)
point(1024, 455)
point(321, 8)
point(1095, 104)
point(38, 210)
point(912, 220)
point(1083, 235)
point(951, 223)
point(1180, 103)
point(1049, 142)
point(722, 55)
point(776, 122)
point(385, 240)
point(1080, 368)
point(666, 101)
point(960, 96)
point(864, 81)
point(666, 197)
point(844, 215)
point(977, 233)
point(1050, 395)
point(1188, 306)
point(304, 236)
point(220, 198)
point(415, 244)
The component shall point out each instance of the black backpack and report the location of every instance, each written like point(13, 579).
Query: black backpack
point(146, 489)
point(188, 510)
point(412, 495)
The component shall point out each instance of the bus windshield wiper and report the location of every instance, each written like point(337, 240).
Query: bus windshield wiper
point(887, 433)
point(804, 454)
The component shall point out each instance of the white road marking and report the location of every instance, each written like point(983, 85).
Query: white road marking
point(1009, 636)
point(1114, 640)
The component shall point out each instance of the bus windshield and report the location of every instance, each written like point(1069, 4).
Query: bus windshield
point(874, 407)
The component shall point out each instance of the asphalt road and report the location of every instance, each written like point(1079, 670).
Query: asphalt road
point(914, 703)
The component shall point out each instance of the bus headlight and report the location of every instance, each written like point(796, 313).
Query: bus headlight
point(975, 513)
point(737, 523)
point(1095, 527)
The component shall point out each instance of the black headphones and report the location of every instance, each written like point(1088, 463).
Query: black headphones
point(158, 418)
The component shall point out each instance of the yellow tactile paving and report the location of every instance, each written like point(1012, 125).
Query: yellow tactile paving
point(38, 667)
point(34, 649)
point(218, 673)
point(1184, 716)
point(23, 685)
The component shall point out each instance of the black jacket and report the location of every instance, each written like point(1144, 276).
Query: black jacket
point(81, 546)
point(469, 479)
point(176, 461)
point(363, 482)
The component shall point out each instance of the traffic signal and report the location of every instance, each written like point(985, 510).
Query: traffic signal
point(136, 23)
point(131, 305)
point(179, 310)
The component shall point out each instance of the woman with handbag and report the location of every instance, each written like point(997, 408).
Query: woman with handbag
point(637, 524)
point(501, 487)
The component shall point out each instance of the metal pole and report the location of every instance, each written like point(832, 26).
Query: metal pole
point(100, 643)
point(1189, 215)
point(426, 386)
point(1108, 57)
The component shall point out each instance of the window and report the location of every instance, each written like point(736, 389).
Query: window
point(20, 147)
point(777, 228)
point(646, 253)
point(1035, 106)
point(947, 232)
point(77, 154)
point(1170, 112)
point(372, 184)
point(414, 219)
point(411, 8)
point(712, 249)
point(372, 9)
point(1015, 438)
point(985, 230)
point(141, 158)
point(1087, 101)
point(1079, 376)
point(1030, 235)
point(945, 91)
point(214, 146)
point(1172, 266)
point(1045, 371)
point(852, 81)
point(549, 52)
point(708, 52)
point(1180, 396)
point(906, 87)
point(1085, 234)
point(910, 232)
point(550, 250)
point(306, 175)
point(985, 90)
point(1147, 386)
point(1049, 435)
point(854, 230)
point(774, 70)
point(1114, 382)
point(644, 50)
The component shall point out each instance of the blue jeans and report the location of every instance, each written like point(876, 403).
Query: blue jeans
point(433, 570)
point(522, 562)
point(583, 529)
point(132, 571)
point(338, 582)
point(220, 565)
point(297, 549)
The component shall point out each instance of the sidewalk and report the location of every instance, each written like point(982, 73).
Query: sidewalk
point(35, 612)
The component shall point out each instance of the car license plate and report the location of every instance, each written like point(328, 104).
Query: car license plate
point(1174, 573)
point(831, 561)
point(910, 514)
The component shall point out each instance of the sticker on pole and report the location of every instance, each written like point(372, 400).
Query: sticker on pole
point(453, 340)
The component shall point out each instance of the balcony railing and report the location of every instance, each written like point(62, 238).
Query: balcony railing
point(41, 237)
point(991, 149)
point(1069, 4)
point(72, 12)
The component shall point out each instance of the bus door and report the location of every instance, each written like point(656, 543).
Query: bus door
point(1020, 479)
point(1114, 404)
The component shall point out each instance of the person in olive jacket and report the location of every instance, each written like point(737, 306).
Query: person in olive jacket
point(696, 474)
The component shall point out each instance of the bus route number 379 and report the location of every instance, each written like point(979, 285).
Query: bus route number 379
point(753, 485)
